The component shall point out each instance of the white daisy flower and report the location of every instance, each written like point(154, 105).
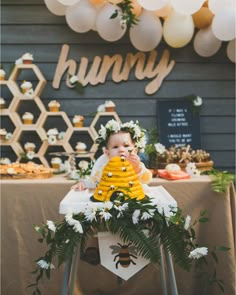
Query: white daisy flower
point(135, 216)
point(160, 148)
point(197, 101)
point(103, 132)
point(74, 79)
point(19, 61)
point(90, 212)
point(78, 227)
point(61, 135)
point(83, 164)
point(198, 253)
point(147, 215)
point(101, 108)
point(52, 139)
point(187, 222)
point(44, 265)
point(51, 225)
point(30, 155)
point(105, 211)
point(29, 93)
point(8, 136)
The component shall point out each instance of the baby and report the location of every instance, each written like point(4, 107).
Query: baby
point(118, 140)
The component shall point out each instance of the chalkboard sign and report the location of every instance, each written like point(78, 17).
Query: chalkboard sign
point(178, 124)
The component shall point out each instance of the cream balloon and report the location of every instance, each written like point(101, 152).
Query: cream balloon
point(68, 2)
point(55, 7)
point(205, 43)
point(110, 29)
point(147, 34)
point(186, 7)
point(223, 24)
point(153, 4)
point(178, 29)
point(217, 5)
point(81, 16)
point(230, 50)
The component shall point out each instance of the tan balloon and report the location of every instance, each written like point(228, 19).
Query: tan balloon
point(164, 11)
point(115, 1)
point(136, 7)
point(97, 2)
point(203, 18)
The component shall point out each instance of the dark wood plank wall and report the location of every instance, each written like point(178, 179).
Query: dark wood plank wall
point(28, 26)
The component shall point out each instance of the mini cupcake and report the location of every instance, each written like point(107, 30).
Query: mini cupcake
point(3, 134)
point(29, 147)
point(2, 75)
point(81, 147)
point(27, 118)
point(26, 86)
point(109, 106)
point(27, 58)
point(5, 161)
point(2, 103)
point(78, 121)
point(54, 106)
point(56, 163)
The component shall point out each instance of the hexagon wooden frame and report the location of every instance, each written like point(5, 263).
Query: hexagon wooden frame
point(18, 97)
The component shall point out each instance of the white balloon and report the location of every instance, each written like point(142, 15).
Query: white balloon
point(231, 47)
point(217, 5)
point(68, 2)
point(55, 7)
point(223, 24)
point(81, 16)
point(186, 7)
point(110, 29)
point(147, 34)
point(178, 29)
point(153, 4)
point(205, 43)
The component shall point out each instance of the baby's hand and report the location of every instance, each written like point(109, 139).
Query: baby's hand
point(135, 161)
point(80, 186)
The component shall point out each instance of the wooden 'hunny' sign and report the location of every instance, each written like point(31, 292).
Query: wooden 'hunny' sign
point(145, 67)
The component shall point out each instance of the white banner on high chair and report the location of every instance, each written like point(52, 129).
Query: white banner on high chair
point(119, 258)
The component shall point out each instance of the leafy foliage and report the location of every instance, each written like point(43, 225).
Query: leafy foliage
point(221, 180)
point(143, 223)
point(127, 16)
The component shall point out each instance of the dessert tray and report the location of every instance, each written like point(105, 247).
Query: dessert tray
point(25, 170)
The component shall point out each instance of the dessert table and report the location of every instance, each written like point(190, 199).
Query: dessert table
point(28, 202)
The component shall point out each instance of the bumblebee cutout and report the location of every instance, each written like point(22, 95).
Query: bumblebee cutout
point(125, 252)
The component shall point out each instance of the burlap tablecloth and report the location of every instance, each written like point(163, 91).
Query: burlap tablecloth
point(25, 203)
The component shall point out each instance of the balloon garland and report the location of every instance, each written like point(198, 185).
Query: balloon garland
point(148, 21)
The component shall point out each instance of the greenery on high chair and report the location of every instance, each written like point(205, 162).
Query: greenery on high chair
point(145, 223)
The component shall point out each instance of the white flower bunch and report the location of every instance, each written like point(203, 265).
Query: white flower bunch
point(192, 170)
point(198, 253)
point(160, 148)
point(197, 102)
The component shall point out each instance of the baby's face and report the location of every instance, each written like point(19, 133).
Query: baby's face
point(119, 144)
